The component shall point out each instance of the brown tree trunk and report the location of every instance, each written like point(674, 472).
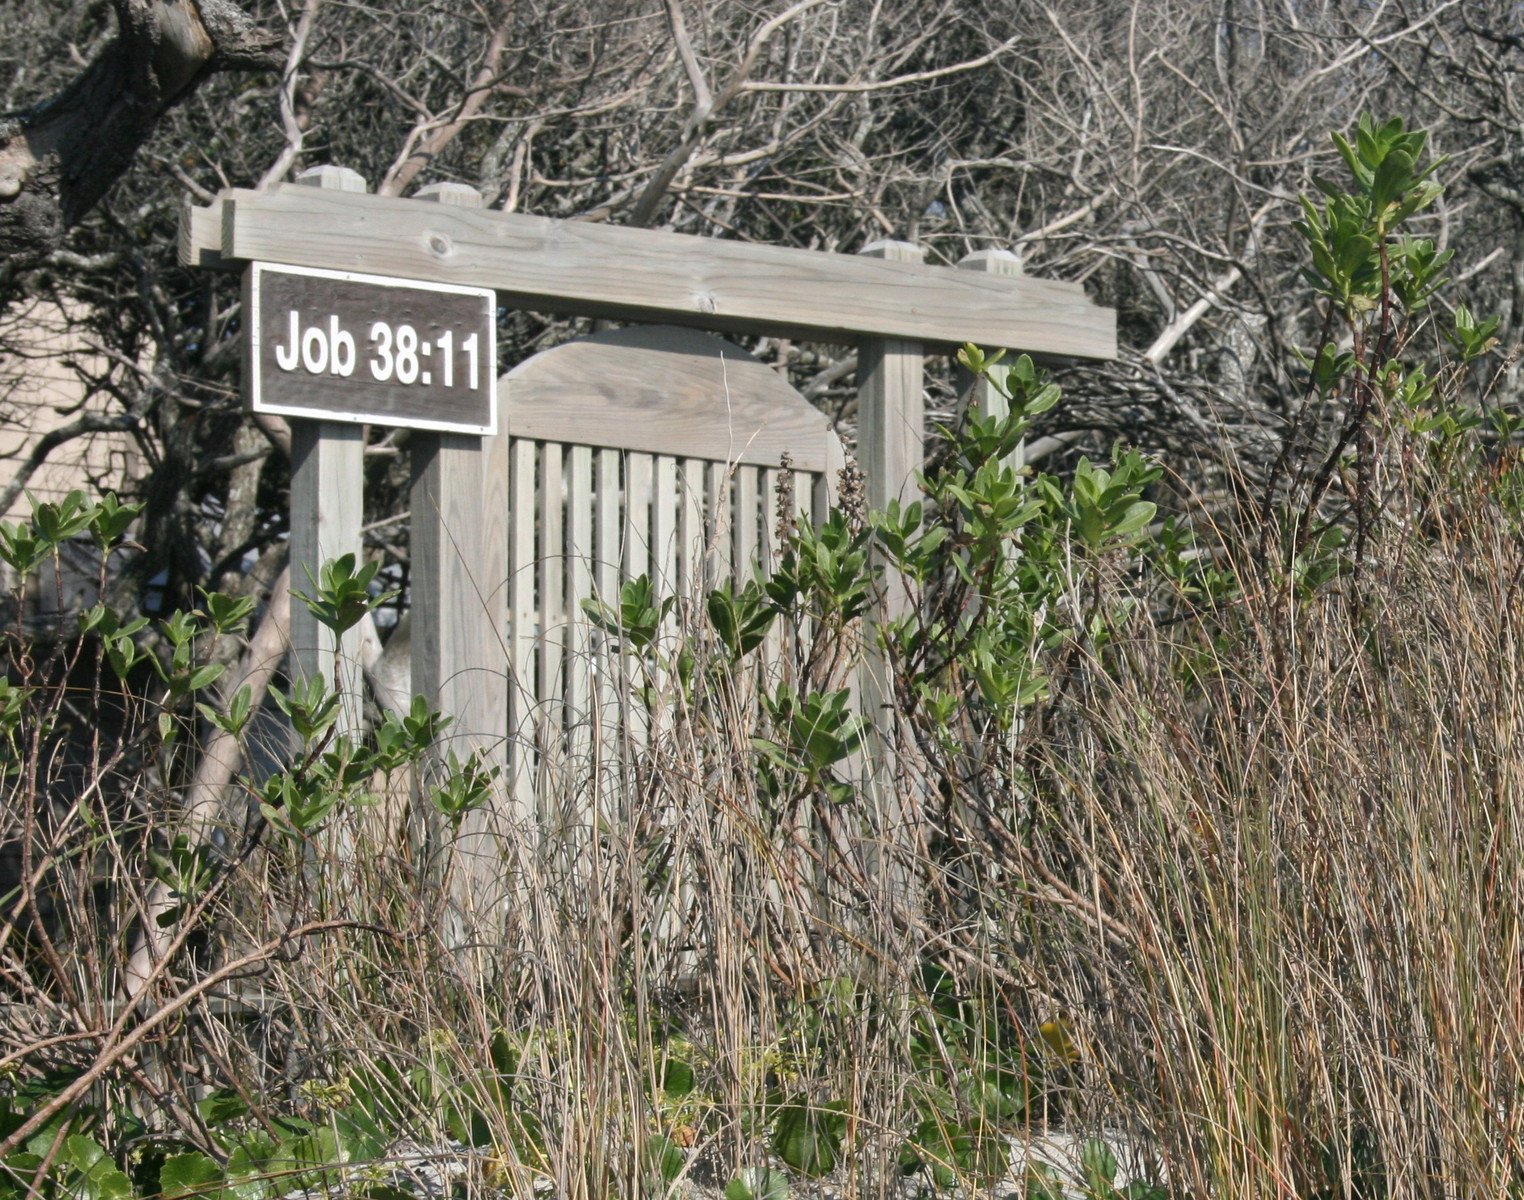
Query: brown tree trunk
point(59, 157)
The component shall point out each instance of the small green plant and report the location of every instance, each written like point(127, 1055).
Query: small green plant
point(1377, 283)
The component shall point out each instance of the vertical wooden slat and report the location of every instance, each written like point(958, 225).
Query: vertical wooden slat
point(638, 475)
point(719, 525)
point(579, 587)
point(769, 547)
point(664, 523)
point(608, 522)
point(827, 485)
point(744, 536)
point(664, 555)
point(639, 479)
point(524, 619)
point(552, 590)
point(690, 528)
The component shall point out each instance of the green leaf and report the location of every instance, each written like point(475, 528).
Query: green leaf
point(677, 1077)
point(100, 1178)
point(205, 676)
point(809, 1137)
point(664, 1158)
point(1043, 1183)
point(191, 1174)
point(222, 1106)
point(248, 1167)
point(1099, 1166)
point(1140, 1190)
point(758, 1183)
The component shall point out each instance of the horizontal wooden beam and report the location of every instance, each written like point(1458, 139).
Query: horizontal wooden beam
point(589, 269)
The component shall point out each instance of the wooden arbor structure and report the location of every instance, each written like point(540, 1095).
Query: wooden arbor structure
point(490, 593)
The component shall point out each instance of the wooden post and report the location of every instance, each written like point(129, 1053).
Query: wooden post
point(981, 393)
point(891, 413)
point(891, 418)
point(460, 570)
point(327, 507)
point(459, 587)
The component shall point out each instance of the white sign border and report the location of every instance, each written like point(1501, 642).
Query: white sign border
point(255, 344)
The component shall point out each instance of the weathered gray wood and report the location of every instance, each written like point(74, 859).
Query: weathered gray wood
point(327, 488)
point(828, 482)
point(579, 586)
point(744, 540)
point(551, 566)
point(460, 647)
point(664, 534)
point(981, 394)
point(461, 195)
point(691, 540)
point(719, 523)
point(327, 507)
point(460, 641)
point(891, 414)
point(592, 269)
point(330, 178)
point(608, 522)
point(524, 619)
point(771, 546)
point(665, 391)
point(890, 449)
point(459, 586)
point(639, 475)
point(200, 239)
point(638, 470)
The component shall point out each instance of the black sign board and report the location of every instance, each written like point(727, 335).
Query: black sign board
point(340, 346)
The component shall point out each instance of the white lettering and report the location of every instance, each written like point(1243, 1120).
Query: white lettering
point(381, 366)
point(315, 350)
point(285, 359)
point(342, 344)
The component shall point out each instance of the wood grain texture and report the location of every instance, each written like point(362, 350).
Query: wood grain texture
point(744, 539)
point(459, 586)
point(200, 240)
point(691, 539)
point(524, 620)
point(638, 472)
point(592, 269)
point(327, 493)
point(891, 449)
point(720, 521)
point(579, 586)
point(551, 566)
point(664, 524)
point(980, 393)
point(891, 415)
point(663, 390)
point(459, 593)
point(327, 508)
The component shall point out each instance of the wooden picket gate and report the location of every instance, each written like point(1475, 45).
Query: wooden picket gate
point(637, 451)
point(650, 450)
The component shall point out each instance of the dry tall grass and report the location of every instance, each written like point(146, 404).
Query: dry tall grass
point(1258, 872)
